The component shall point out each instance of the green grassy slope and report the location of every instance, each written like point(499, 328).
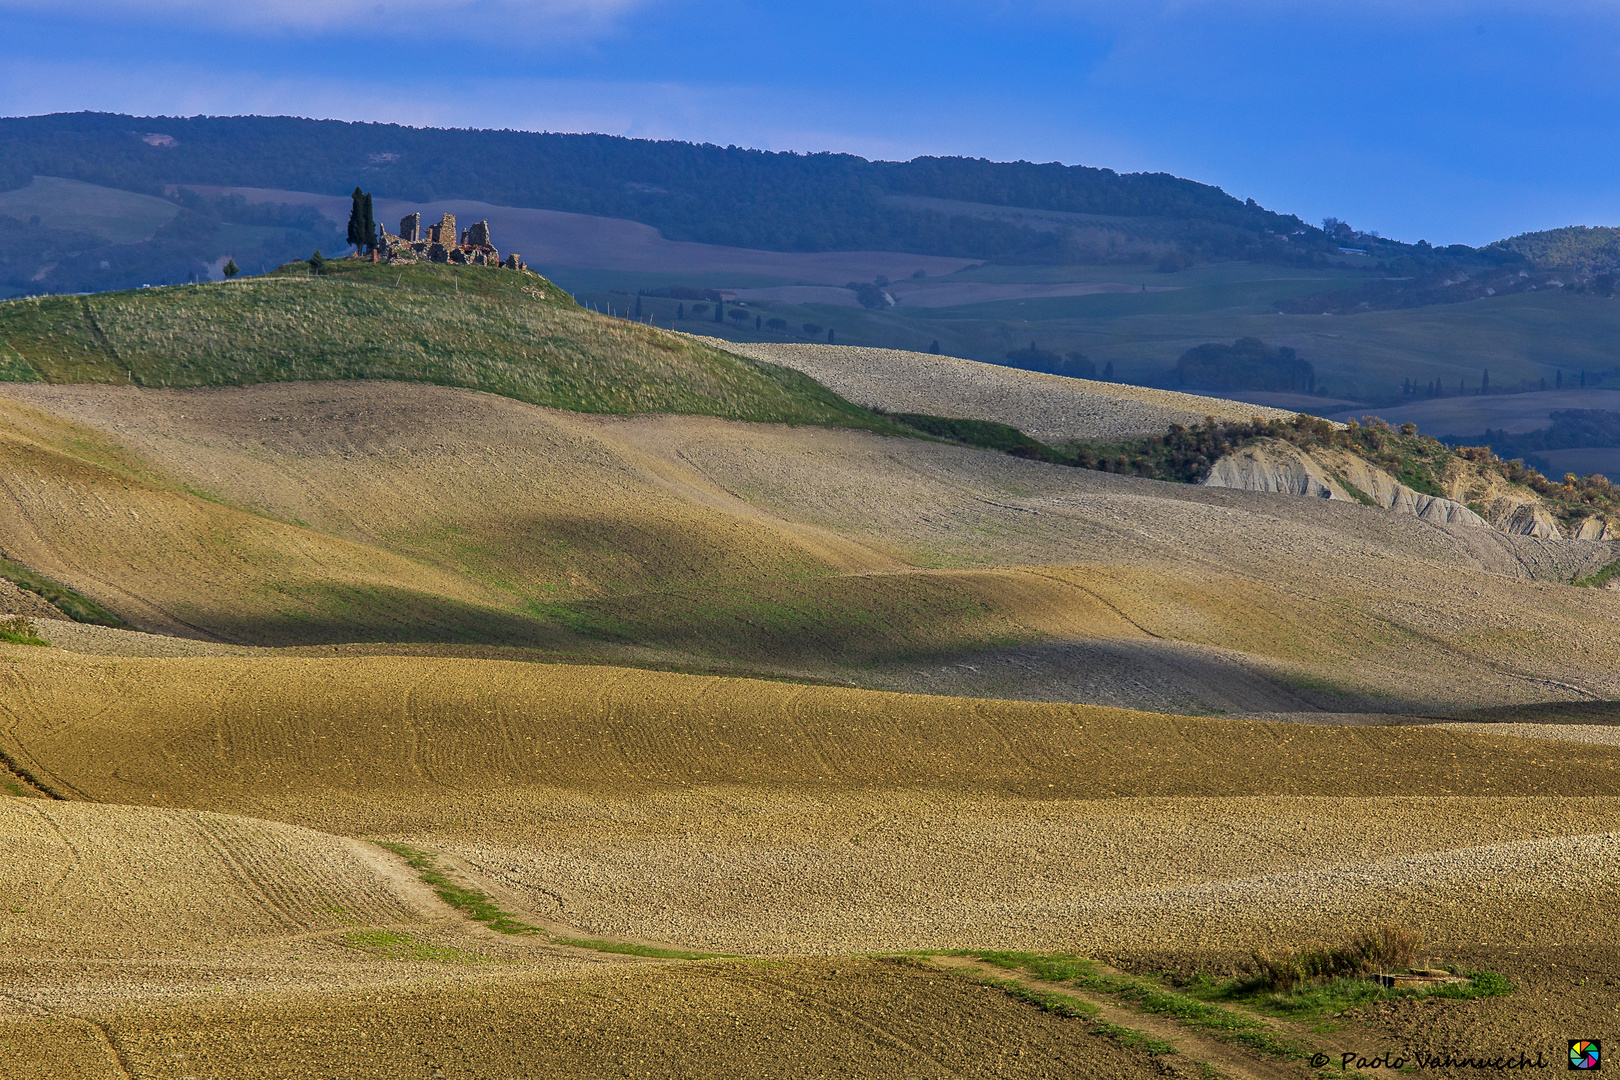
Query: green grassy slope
point(506, 333)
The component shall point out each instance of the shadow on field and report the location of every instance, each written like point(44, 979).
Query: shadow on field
point(1149, 674)
point(338, 614)
point(1603, 713)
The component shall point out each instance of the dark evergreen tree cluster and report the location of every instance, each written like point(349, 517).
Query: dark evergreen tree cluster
point(362, 235)
point(1246, 364)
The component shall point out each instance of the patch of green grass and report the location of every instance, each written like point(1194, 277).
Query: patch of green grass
point(1356, 493)
point(499, 331)
point(15, 638)
point(75, 606)
point(1318, 1002)
point(1048, 1000)
point(13, 368)
point(392, 946)
point(1147, 996)
point(1132, 1039)
point(1060, 1004)
point(1601, 578)
point(473, 903)
point(982, 433)
point(476, 904)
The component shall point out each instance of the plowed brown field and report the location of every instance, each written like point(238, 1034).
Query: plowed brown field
point(250, 735)
point(112, 881)
point(443, 516)
point(390, 532)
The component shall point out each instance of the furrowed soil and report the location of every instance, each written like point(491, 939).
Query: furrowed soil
point(347, 514)
point(363, 576)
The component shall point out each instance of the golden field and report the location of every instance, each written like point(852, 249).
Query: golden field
point(804, 697)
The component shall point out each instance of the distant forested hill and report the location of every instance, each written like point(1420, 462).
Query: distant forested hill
point(1581, 248)
point(711, 194)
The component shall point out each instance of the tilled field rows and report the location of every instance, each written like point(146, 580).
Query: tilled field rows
point(108, 881)
point(261, 735)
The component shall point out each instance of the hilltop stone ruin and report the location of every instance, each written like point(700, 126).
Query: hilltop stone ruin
point(440, 243)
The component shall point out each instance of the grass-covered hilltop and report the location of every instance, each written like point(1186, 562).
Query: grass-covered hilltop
point(505, 332)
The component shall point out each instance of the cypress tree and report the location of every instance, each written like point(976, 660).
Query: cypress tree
point(357, 219)
point(830, 336)
point(680, 311)
point(368, 224)
point(638, 305)
point(719, 311)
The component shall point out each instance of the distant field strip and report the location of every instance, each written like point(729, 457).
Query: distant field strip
point(1051, 408)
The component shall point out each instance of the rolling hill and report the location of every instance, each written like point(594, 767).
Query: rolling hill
point(506, 689)
point(487, 329)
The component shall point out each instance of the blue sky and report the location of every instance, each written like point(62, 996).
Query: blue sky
point(1446, 121)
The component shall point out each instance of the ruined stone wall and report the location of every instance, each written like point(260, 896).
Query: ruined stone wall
point(444, 232)
point(440, 243)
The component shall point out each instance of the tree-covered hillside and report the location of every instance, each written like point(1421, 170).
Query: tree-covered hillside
point(1583, 249)
point(712, 194)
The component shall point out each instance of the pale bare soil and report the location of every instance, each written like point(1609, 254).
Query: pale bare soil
point(247, 734)
point(853, 1018)
point(1606, 735)
point(743, 871)
point(1051, 408)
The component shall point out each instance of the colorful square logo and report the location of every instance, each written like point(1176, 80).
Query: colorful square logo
point(1585, 1054)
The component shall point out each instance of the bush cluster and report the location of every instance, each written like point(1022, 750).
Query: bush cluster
point(1594, 492)
point(1186, 454)
point(1385, 948)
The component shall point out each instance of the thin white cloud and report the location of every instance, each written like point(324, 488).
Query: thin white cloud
point(387, 18)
